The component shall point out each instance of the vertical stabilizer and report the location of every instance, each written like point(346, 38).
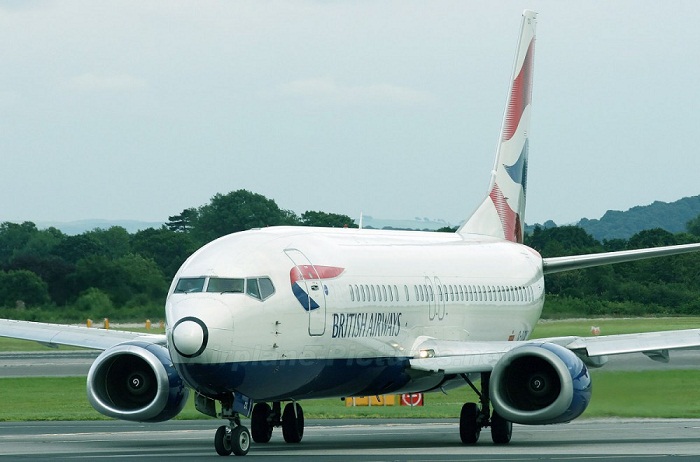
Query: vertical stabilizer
point(502, 212)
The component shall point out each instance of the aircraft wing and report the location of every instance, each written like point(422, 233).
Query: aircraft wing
point(53, 335)
point(557, 264)
point(454, 357)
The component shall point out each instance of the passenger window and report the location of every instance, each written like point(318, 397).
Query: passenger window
point(352, 294)
point(226, 285)
point(374, 294)
point(252, 288)
point(362, 289)
point(384, 292)
point(189, 285)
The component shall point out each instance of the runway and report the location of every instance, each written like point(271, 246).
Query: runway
point(357, 440)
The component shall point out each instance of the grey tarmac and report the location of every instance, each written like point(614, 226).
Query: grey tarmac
point(357, 440)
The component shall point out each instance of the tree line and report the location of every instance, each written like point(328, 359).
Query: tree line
point(50, 276)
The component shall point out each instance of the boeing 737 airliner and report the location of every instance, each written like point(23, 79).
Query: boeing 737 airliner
point(273, 316)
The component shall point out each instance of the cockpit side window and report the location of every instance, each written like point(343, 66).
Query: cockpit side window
point(226, 285)
point(252, 288)
point(189, 285)
point(266, 287)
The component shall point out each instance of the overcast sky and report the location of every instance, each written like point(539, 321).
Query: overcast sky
point(140, 109)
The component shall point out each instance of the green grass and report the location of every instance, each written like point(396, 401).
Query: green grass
point(611, 326)
point(666, 394)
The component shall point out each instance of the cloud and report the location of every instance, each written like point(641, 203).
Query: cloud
point(328, 91)
point(106, 82)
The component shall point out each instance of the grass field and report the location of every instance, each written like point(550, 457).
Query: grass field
point(669, 394)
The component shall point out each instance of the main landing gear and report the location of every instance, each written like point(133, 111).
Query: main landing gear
point(266, 418)
point(474, 417)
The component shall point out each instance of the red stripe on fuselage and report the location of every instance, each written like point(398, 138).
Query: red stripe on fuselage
point(314, 272)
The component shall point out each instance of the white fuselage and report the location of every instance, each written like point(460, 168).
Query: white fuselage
point(348, 309)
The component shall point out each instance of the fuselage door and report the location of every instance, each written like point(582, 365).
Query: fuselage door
point(309, 290)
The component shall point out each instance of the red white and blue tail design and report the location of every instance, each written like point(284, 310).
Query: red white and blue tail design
point(502, 212)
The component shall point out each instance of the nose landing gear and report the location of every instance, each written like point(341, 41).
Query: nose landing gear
point(233, 438)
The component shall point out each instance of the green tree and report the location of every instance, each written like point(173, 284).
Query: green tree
point(22, 286)
point(113, 242)
point(693, 226)
point(184, 222)
point(13, 238)
point(75, 248)
point(169, 249)
point(122, 279)
point(238, 211)
point(94, 301)
point(328, 220)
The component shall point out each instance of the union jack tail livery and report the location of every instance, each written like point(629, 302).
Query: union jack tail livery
point(502, 212)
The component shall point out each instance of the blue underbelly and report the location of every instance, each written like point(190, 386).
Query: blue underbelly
point(298, 379)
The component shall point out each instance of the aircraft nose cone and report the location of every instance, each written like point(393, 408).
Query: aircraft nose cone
point(190, 336)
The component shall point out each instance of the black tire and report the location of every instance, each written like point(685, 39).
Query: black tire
point(292, 423)
point(240, 440)
point(222, 441)
point(469, 429)
point(501, 429)
point(260, 426)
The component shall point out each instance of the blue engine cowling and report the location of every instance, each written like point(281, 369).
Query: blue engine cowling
point(538, 384)
point(136, 381)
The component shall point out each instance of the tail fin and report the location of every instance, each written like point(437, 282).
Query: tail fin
point(502, 212)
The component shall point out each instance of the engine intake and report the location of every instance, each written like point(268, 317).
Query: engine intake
point(136, 381)
point(540, 384)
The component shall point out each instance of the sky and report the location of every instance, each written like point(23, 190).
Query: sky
point(139, 109)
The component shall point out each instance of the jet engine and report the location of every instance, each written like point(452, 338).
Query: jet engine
point(136, 381)
point(539, 384)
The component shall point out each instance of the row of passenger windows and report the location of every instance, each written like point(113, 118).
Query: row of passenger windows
point(260, 288)
point(441, 293)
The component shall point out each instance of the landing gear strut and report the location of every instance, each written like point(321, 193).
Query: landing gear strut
point(474, 417)
point(233, 438)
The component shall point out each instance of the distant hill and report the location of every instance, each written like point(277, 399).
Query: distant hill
point(615, 224)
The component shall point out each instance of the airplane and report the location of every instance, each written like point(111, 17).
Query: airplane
point(273, 316)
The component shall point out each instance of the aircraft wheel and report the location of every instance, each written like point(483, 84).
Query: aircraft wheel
point(240, 440)
point(501, 429)
point(222, 441)
point(292, 423)
point(469, 429)
point(260, 426)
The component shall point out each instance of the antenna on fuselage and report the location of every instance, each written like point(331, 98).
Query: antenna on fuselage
point(360, 223)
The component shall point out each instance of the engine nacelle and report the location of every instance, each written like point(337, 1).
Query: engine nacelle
point(539, 384)
point(136, 381)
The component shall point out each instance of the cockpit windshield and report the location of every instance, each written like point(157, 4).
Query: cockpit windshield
point(189, 285)
point(259, 288)
point(226, 285)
